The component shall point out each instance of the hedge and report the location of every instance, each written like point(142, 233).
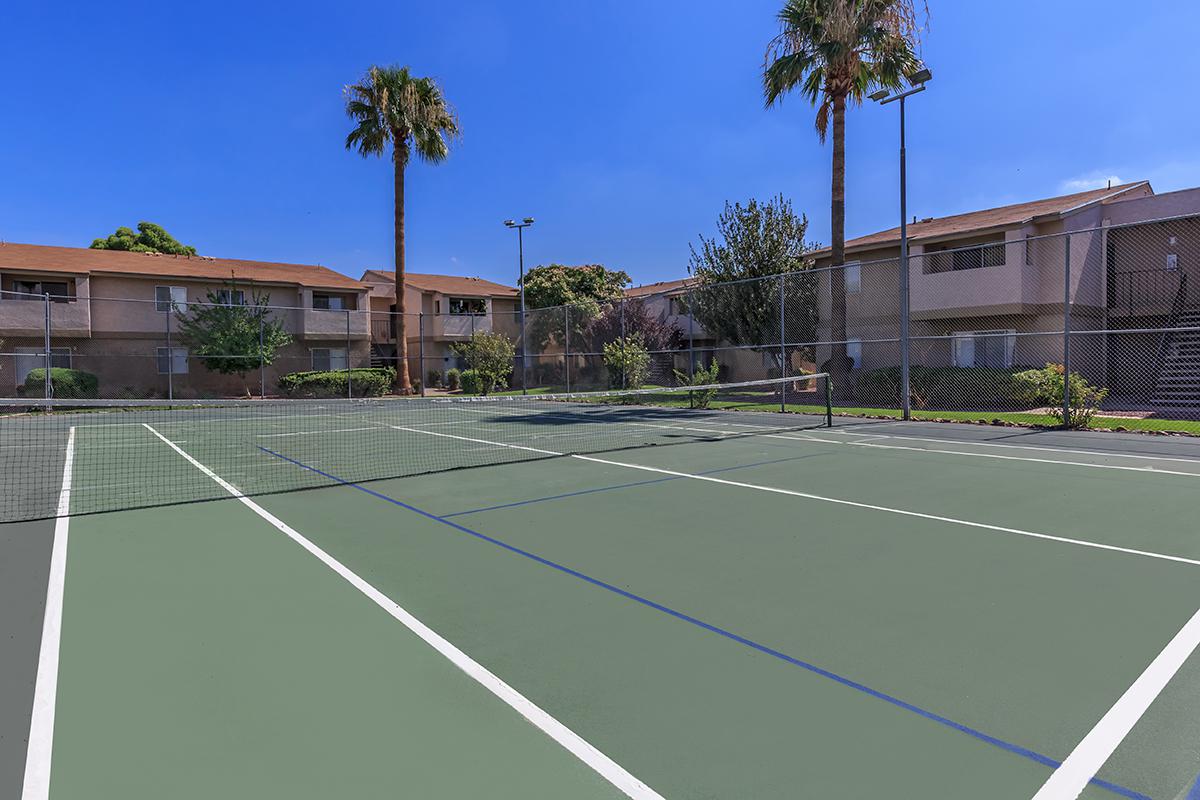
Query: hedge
point(366, 382)
point(71, 383)
point(950, 387)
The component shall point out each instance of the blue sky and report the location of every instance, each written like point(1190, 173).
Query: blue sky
point(622, 127)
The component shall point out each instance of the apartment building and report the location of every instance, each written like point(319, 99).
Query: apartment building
point(989, 288)
point(440, 310)
point(116, 315)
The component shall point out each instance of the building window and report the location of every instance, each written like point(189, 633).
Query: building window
point(231, 297)
point(329, 302)
point(468, 306)
point(31, 358)
point(325, 359)
point(984, 348)
point(951, 257)
point(854, 351)
point(170, 298)
point(172, 360)
point(59, 291)
point(853, 273)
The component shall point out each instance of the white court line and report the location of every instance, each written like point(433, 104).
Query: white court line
point(311, 433)
point(1043, 448)
point(836, 500)
point(45, 692)
point(1126, 468)
point(610, 770)
point(1074, 774)
point(812, 438)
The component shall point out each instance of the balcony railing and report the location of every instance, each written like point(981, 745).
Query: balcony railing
point(1151, 291)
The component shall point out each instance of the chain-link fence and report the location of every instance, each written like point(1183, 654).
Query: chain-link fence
point(996, 323)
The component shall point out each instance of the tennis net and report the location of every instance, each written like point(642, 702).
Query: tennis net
point(132, 454)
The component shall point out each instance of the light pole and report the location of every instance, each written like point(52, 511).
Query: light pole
point(917, 80)
point(521, 226)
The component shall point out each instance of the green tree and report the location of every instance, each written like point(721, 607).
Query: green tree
point(735, 298)
point(584, 290)
point(628, 361)
point(231, 336)
point(389, 105)
point(490, 355)
point(836, 52)
point(150, 238)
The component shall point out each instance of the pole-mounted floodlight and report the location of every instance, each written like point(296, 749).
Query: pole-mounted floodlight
point(520, 227)
point(917, 81)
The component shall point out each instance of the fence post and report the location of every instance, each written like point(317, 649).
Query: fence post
point(691, 309)
point(624, 363)
point(782, 347)
point(1066, 407)
point(349, 378)
point(171, 353)
point(48, 385)
point(421, 348)
point(262, 358)
point(567, 346)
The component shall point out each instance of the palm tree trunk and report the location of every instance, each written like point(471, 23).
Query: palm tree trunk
point(838, 367)
point(403, 381)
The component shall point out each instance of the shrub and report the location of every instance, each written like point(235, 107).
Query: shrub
point(1048, 383)
point(490, 355)
point(472, 382)
point(700, 376)
point(628, 361)
point(453, 379)
point(69, 383)
point(946, 387)
point(434, 379)
point(366, 382)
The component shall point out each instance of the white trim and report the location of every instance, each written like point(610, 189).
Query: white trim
point(1074, 774)
point(610, 770)
point(45, 693)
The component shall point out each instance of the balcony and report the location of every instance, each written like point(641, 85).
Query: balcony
point(996, 289)
point(459, 326)
point(334, 325)
point(27, 317)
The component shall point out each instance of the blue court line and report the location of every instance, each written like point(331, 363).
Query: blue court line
point(1010, 747)
point(1194, 794)
point(617, 486)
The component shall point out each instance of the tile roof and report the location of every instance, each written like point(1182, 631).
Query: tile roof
point(442, 284)
point(989, 218)
point(83, 260)
point(660, 287)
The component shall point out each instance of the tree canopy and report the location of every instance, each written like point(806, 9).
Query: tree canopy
point(149, 238)
point(735, 297)
point(586, 291)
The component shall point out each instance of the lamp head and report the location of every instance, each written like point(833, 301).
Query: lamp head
point(923, 75)
point(528, 220)
point(508, 223)
point(878, 95)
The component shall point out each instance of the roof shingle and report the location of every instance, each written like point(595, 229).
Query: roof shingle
point(86, 261)
point(442, 284)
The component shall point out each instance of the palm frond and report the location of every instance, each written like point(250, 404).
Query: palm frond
point(391, 105)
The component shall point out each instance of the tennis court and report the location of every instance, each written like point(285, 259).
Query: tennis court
point(535, 597)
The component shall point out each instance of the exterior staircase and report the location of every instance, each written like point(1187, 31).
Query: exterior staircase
point(1179, 379)
point(383, 355)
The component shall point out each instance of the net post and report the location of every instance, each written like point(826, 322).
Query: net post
point(47, 384)
point(782, 350)
point(349, 378)
point(421, 349)
point(1066, 398)
point(828, 401)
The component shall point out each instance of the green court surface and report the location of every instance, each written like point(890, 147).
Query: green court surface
point(874, 610)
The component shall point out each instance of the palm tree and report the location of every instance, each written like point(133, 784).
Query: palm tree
point(835, 52)
point(389, 104)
